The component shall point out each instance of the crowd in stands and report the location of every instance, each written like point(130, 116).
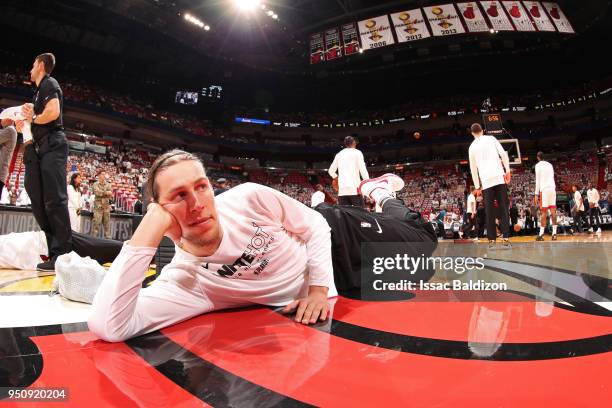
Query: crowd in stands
point(82, 93)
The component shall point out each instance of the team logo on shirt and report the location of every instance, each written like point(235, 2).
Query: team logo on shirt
point(254, 252)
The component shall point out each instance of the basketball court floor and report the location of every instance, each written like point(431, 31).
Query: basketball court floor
point(544, 341)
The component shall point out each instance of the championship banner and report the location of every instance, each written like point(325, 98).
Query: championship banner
point(410, 25)
point(519, 16)
point(316, 48)
point(333, 49)
point(375, 32)
point(538, 15)
point(350, 39)
point(444, 20)
point(558, 17)
point(497, 16)
point(473, 18)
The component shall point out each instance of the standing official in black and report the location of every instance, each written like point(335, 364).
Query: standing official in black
point(45, 160)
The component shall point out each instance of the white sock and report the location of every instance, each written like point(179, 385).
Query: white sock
point(378, 194)
point(541, 230)
point(554, 230)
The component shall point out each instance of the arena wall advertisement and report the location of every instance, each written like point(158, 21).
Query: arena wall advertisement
point(519, 16)
point(22, 220)
point(410, 25)
point(538, 15)
point(375, 32)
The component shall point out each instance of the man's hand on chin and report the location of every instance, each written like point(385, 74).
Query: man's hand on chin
point(312, 308)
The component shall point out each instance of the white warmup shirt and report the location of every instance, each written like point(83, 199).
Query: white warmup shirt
point(593, 197)
point(471, 204)
point(579, 202)
point(486, 156)
point(317, 198)
point(273, 248)
point(545, 177)
point(349, 164)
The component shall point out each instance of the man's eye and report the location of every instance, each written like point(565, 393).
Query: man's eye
point(202, 187)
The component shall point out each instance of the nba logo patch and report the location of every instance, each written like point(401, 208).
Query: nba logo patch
point(365, 224)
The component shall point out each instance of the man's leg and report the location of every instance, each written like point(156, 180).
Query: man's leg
point(34, 188)
point(489, 196)
point(97, 220)
point(8, 140)
point(501, 193)
point(106, 222)
point(53, 176)
point(102, 250)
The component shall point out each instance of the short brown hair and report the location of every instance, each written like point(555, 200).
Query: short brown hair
point(48, 61)
point(349, 141)
point(476, 128)
point(163, 162)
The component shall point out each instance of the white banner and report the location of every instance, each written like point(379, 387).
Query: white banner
point(73, 144)
point(538, 15)
point(558, 17)
point(474, 20)
point(410, 25)
point(519, 16)
point(375, 32)
point(444, 20)
point(95, 148)
point(497, 16)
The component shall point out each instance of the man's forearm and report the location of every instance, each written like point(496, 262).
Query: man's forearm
point(150, 231)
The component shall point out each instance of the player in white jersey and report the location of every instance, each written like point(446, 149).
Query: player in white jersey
point(546, 194)
point(578, 209)
point(594, 212)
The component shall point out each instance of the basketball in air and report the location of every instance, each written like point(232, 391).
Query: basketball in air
point(517, 228)
point(417, 135)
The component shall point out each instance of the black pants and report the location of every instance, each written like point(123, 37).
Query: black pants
point(594, 217)
point(470, 224)
point(579, 220)
point(499, 193)
point(45, 183)
point(352, 226)
point(101, 250)
point(354, 200)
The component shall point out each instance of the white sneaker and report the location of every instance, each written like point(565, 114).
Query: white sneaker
point(389, 182)
point(598, 231)
point(591, 230)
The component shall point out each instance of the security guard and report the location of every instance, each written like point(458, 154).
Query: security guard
point(103, 191)
point(45, 160)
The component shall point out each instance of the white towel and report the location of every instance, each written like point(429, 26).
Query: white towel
point(14, 113)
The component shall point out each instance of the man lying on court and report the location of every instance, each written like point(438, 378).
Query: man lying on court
point(250, 245)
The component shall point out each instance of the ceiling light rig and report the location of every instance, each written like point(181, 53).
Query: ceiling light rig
point(252, 6)
point(196, 21)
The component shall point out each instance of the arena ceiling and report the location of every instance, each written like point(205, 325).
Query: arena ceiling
point(151, 37)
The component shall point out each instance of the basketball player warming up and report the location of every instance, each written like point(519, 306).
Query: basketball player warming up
point(250, 245)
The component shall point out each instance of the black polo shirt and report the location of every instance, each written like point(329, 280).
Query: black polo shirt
point(47, 90)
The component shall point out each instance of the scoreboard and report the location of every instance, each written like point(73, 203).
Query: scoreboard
point(493, 123)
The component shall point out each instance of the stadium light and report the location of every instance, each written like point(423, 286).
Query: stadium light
point(246, 5)
point(270, 13)
point(275, 16)
point(361, 50)
point(207, 27)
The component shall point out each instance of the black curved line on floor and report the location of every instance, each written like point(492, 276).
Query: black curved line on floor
point(581, 305)
point(221, 388)
point(22, 366)
point(21, 363)
point(461, 349)
point(598, 284)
